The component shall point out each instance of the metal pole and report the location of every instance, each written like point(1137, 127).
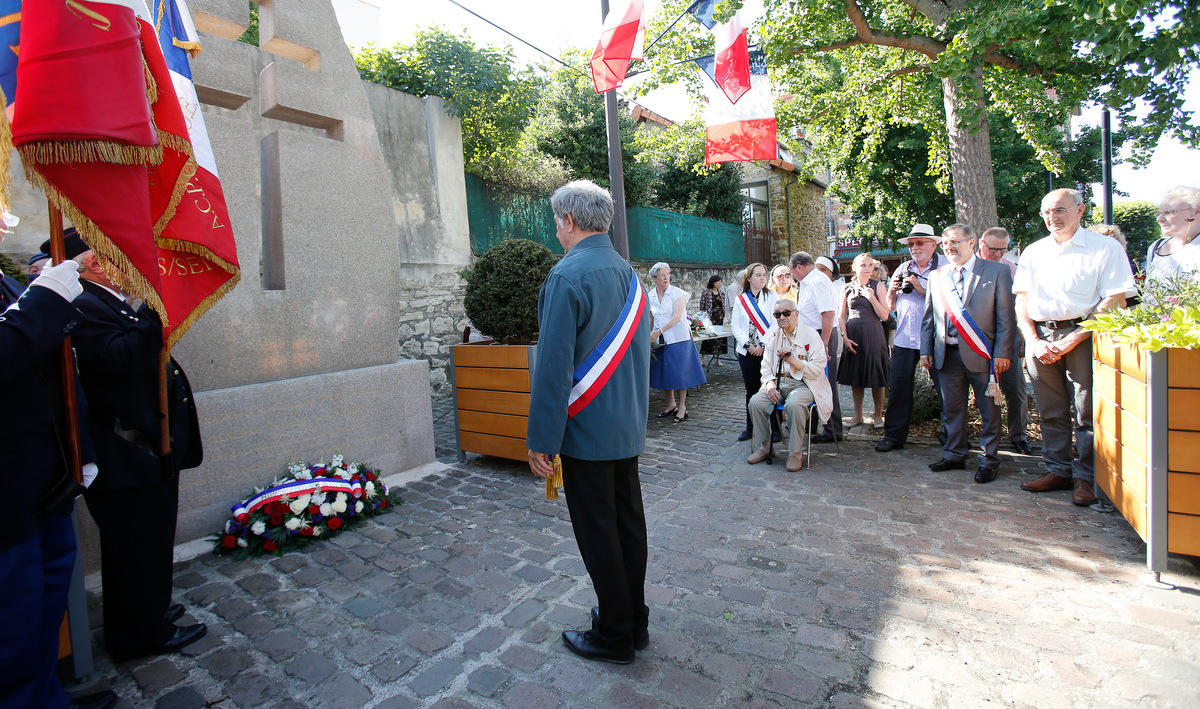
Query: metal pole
point(1049, 182)
point(616, 173)
point(1106, 164)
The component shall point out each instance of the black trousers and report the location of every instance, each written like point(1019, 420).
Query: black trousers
point(137, 548)
point(898, 416)
point(605, 501)
point(752, 380)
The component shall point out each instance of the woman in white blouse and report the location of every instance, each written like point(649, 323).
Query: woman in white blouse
point(1178, 251)
point(675, 367)
point(749, 337)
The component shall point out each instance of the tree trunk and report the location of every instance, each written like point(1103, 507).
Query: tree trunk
point(971, 161)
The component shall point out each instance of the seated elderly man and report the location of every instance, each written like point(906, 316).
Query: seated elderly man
point(793, 370)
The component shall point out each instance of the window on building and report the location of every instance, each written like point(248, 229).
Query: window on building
point(757, 222)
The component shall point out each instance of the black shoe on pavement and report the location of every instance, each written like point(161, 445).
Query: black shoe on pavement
point(1023, 447)
point(886, 446)
point(947, 464)
point(99, 700)
point(641, 636)
point(174, 612)
point(985, 475)
point(825, 438)
point(744, 435)
point(585, 644)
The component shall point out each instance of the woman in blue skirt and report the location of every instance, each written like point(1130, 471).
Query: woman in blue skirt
point(675, 366)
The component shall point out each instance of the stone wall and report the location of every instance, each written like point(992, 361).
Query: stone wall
point(804, 199)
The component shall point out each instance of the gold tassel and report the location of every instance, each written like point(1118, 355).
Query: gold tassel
point(192, 48)
point(993, 389)
point(555, 480)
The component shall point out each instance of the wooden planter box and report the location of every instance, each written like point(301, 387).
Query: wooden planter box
point(1146, 417)
point(491, 398)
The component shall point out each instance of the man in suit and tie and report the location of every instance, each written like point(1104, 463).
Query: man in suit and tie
point(135, 498)
point(969, 317)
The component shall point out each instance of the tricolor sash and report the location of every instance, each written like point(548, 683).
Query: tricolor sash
point(969, 332)
point(595, 370)
point(296, 488)
point(757, 319)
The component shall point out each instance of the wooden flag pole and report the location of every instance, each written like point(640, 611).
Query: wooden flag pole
point(164, 361)
point(58, 254)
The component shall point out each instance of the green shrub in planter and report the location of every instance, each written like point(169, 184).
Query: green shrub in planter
point(502, 290)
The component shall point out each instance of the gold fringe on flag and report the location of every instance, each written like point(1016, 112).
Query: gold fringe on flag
point(555, 480)
point(202, 308)
point(200, 250)
point(72, 151)
point(182, 146)
point(192, 48)
point(5, 155)
point(135, 283)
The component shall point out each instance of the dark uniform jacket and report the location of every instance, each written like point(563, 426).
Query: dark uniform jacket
point(33, 435)
point(117, 348)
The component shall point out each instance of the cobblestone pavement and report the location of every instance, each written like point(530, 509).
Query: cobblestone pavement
point(866, 581)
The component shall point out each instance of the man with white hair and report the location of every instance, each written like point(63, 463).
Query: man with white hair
point(1061, 280)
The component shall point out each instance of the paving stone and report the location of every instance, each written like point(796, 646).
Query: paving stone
point(393, 667)
point(522, 658)
point(251, 689)
point(255, 625)
point(429, 642)
point(345, 692)
point(157, 676)
point(259, 585)
point(181, 698)
point(486, 681)
point(233, 609)
point(364, 607)
point(527, 695)
point(397, 702)
point(432, 680)
point(227, 662)
point(312, 667)
point(209, 593)
point(693, 689)
point(526, 611)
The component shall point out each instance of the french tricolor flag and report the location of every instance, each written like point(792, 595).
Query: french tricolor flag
point(741, 131)
point(618, 44)
point(732, 72)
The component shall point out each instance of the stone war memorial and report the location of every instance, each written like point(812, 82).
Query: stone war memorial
point(346, 199)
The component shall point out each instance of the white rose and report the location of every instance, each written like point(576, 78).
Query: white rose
point(341, 497)
point(326, 510)
point(339, 506)
point(297, 506)
point(293, 523)
point(303, 474)
point(337, 460)
point(354, 468)
point(242, 543)
point(318, 498)
point(358, 507)
point(295, 468)
point(317, 531)
point(370, 489)
point(258, 528)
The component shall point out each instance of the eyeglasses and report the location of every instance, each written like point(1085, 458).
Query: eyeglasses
point(781, 314)
point(995, 249)
point(953, 243)
point(1168, 212)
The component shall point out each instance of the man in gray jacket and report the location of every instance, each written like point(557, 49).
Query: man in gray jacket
point(588, 404)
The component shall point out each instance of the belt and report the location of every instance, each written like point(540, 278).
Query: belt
point(1058, 324)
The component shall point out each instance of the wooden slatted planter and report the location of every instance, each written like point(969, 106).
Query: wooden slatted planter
point(1146, 418)
point(491, 397)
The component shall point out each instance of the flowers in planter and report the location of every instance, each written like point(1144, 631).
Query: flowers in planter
point(1167, 316)
point(312, 502)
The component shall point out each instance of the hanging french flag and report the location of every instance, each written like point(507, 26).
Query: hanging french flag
point(197, 255)
point(703, 11)
point(741, 131)
point(618, 41)
point(732, 70)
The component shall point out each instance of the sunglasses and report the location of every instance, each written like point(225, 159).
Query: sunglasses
point(781, 314)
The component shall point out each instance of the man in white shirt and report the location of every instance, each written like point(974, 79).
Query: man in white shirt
point(1061, 280)
point(992, 246)
point(815, 305)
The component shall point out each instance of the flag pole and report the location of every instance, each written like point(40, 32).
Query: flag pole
point(58, 254)
point(164, 431)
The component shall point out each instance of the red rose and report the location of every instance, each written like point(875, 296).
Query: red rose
point(371, 477)
point(334, 523)
point(318, 472)
point(270, 545)
point(276, 520)
point(230, 541)
point(313, 509)
point(306, 531)
point(382, 504)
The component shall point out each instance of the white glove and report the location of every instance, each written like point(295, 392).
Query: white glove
point(89, 473)
point(62, 278)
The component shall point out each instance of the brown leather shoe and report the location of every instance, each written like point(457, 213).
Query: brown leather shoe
point(1084, 495)
point(761, 455)
point(1048, 482)
point(795, 462)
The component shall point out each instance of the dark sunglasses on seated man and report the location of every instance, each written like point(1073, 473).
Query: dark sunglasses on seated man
point(781, 314)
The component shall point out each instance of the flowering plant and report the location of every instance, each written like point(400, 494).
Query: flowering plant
point(312, 502)
point(1167, 316)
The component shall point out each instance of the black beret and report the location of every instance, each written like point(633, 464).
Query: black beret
point(72, 241)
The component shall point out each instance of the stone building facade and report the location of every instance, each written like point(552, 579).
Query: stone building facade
point(797, 209)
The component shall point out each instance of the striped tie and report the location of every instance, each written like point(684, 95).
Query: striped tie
point(951, 331)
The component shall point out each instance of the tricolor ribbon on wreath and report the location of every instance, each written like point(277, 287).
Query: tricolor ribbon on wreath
point(757, 319)
point(296, 488)
point(969, 332)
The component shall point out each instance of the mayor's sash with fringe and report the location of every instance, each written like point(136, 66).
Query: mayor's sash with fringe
point(969, 332)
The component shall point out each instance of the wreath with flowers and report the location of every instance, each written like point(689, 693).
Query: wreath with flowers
point(313, 502)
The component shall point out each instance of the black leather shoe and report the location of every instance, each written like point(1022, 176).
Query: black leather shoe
point(174, 612)
point(1023, 447)
point(585, 644)
point(744, 435)
point(886, 446)
point(641, 636)
point(99, 700)
point(825, 438)
point(985, 475)
point(947, 464)
point(184, 635)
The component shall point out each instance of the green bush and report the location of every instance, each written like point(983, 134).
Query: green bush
point(503, 287)
point(926, 405)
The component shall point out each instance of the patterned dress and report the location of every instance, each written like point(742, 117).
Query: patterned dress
point(714, 305)
point(869, 367)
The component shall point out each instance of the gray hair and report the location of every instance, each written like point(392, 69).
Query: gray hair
point(997, 232)
point(963, 229)
point(801, 258)
point(1054, 196)
point(789, 301)
point(658, 267)
point(1190, 195)
point(589, 204)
